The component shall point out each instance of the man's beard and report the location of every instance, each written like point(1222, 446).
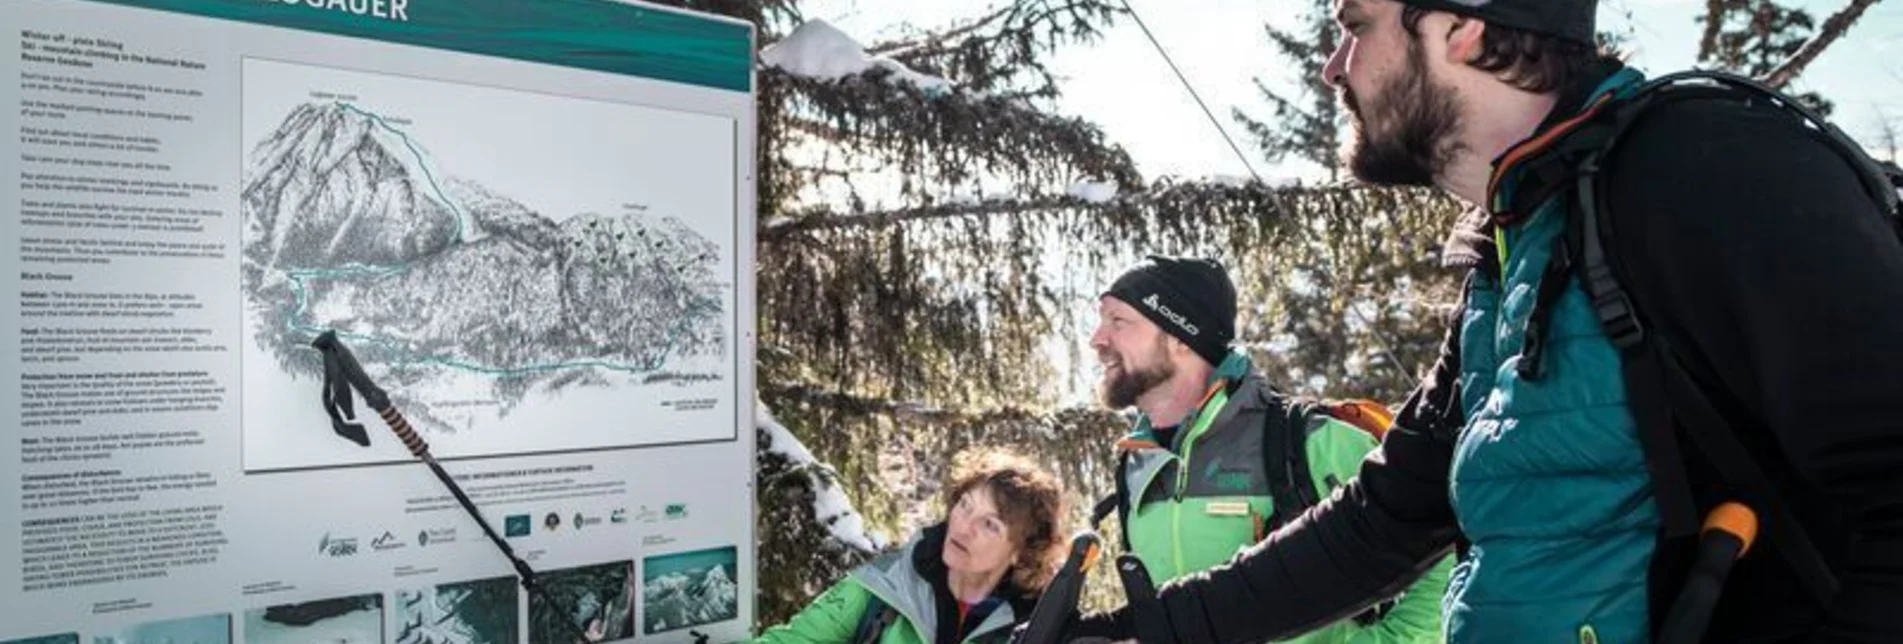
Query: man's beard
point(1121, 388)
point(1422, 118)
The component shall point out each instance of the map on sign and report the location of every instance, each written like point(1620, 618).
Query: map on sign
point(479, 297)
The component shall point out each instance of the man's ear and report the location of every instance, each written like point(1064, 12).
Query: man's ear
point(1178, 349)
point(1463, 40)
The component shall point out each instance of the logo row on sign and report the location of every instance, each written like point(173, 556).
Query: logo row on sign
point(513, 526)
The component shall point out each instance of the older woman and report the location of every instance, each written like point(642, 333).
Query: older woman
point(970, 578)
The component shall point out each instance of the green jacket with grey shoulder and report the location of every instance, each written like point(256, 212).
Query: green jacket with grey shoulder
point(911, 582)
point(1207, 495)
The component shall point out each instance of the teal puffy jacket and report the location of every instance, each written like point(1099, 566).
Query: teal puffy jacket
point(1549, 477)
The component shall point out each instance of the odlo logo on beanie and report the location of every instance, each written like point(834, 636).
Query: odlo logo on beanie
point(1156, 305)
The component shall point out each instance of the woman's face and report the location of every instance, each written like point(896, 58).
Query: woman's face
point(977, 540)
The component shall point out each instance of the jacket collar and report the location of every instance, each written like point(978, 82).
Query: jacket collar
point(1471, 241)
point(1575, 107)
point(913, 581)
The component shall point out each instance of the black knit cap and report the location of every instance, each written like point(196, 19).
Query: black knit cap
point(1570, 19)
point(1190, 298)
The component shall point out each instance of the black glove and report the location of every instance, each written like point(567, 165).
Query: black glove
point(1110, 625)
point(1069, 636)
point(1143, 615)
point(1019, 633)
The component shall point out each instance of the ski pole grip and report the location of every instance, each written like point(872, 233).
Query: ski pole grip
point(1085, 548)
point(1729, 530)
point(352, 371)
point(1057, 606)
point(1735, 519)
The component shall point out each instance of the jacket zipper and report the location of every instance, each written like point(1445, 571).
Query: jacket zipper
point(1193, 432)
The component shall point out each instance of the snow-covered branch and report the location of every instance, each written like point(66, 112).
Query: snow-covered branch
point(830, 505)
point(938, 38)
point(919, 412)
point(826, 220)
point(818, 50)
point(949, 134)
point(1002, 52)
point(1249, 197)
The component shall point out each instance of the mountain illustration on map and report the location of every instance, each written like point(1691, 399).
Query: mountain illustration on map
point(690, 598)
point(440, 284)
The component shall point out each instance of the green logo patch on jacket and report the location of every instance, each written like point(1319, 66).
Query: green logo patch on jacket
point(1233, 481)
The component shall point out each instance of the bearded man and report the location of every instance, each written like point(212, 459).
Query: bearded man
point(1219, 457)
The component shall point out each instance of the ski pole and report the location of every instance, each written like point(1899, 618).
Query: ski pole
point(1052, 615)
point(1729, 530)
point(342, 373)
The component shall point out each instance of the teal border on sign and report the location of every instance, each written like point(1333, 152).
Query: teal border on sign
point(602, 35)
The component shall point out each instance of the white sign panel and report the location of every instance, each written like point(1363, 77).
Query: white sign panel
point(530, 222)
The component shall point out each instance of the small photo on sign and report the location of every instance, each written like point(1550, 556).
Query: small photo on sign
point(596, 600)
point(690, 588)
point(472, 612)
point(210, 629)
point(341, 620)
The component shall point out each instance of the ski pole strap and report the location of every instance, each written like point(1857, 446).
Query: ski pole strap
point(1105, 506)
point(339, 404)
point(340, 361)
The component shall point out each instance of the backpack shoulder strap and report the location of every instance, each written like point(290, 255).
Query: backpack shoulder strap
point(1117, 501)
point(1285, 447)
point(873, 622)
point(1285, 459)
point(1665, 397)
point(1893, 174)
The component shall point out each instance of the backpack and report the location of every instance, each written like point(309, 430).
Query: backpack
point(1285, 466)
point(872, 623)
point(1291, 483)
point(1661, 385)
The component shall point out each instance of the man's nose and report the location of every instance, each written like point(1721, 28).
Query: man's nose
point(1335, 71)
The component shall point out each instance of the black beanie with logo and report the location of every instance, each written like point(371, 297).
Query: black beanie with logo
point(1189, 298)
point(1573, 20)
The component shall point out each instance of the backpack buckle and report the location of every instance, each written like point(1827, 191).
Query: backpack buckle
point(1617, 315)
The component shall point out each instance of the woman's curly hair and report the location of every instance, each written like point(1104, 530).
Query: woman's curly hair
point(1030, 501)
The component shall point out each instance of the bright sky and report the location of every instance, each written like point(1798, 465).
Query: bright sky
point(1123, 85)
